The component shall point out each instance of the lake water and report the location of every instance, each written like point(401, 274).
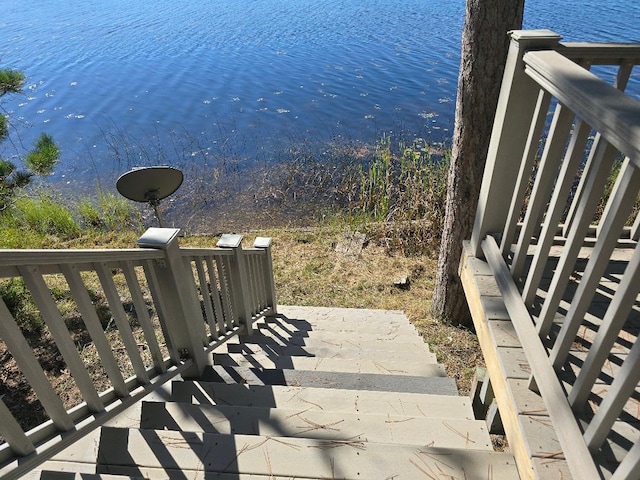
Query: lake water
point(116, 81)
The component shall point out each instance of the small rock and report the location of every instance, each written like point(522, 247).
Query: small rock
point(403, 283)
point(351, 243)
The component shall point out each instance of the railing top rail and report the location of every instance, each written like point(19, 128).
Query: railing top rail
point(205, 252)
point(254, 251)
point(50, 257)
point(601, 53)
point(606, 109)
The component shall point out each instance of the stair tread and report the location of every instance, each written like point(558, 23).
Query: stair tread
point(385, 333)
point(340, 338)
point(308, 423)
point(297, 457)
point(345, 400)
point(370, 342)
point(441, 385)
point(344, 325)
point(424, 367)
point(321, 315)
point(163, 473)
point(302, 346)
point(328, 351)
point(72, 475)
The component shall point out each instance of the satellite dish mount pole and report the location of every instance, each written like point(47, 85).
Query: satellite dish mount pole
point(154, 201)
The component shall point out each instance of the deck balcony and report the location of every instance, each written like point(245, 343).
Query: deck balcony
point(551, 270)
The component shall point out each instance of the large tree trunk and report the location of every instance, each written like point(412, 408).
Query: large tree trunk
point(484, 50)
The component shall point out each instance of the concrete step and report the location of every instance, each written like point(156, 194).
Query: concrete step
point(339, 343)
point(307, 423)
point(195, 455)
point(345, 325)
point(411, 353)
point(302, 398)
point(438, 385)
point(343, 335)
point(418, 367)
point(329, 315)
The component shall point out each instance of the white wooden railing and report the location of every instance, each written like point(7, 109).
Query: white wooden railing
point(183, 301)
point(559, 126)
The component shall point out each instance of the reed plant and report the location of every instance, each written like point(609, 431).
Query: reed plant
point(395, 190)
point(403, 189)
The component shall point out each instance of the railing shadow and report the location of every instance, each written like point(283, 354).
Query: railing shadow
point(200, 423)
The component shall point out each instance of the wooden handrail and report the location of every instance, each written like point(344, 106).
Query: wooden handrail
point(592, 140)
point(16, 258)
point(608, 110)
point(601, 53)
point(569, 434)
point(234, 284)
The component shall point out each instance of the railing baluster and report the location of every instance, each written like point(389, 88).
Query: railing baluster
point(12, 432)
point(621, 390)
point(613, 321)
point(595, 181)
point(547, 171)
point(206, 298)
point(630, 465)
point(94, 327)
point(161, 310)
point(635, 229)
point(264, 243)
point(528, 160)
point(248, 273)
point(240, 290)
point(30, 367)
point(223, 274)
point(579, 193)
point(555, 210)
point(198, 318)
point(143, 316)
point(120, 318)
point(215, 296)
point(617, 212)
point(255, 296)
point(262, 292)
point(52, 317)
point(622, 77)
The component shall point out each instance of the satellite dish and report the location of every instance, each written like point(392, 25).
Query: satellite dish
point(149, 185)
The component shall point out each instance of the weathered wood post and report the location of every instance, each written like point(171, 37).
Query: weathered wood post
point(517, 101)
point(238, 279)
point(264, 243)
point(183, 320)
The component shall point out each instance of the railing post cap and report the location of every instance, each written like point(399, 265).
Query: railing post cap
point(537, 38)
point(159, 238)
point(262, 242)
point(229, 240)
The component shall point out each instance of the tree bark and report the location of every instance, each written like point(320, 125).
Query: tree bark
point(484, 51)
